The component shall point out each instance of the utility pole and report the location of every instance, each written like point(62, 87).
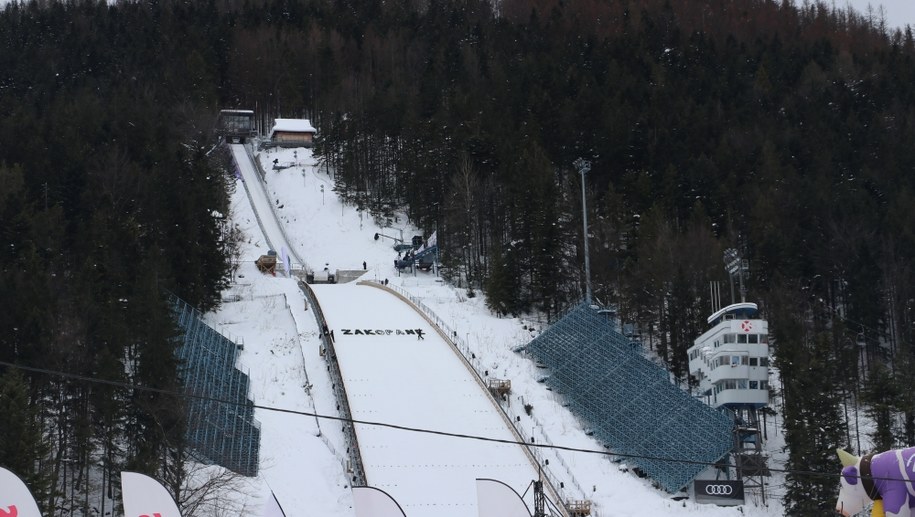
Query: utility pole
point(583, 167)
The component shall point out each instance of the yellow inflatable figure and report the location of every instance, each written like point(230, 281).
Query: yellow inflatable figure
point(877, 510)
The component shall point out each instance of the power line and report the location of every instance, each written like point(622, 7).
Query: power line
point(119, 384)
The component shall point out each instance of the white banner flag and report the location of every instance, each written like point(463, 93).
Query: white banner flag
point(496, 499)
point(15, 498)
point(287, 263)
point(369, 501)
point(272, 507)
point(146, 497)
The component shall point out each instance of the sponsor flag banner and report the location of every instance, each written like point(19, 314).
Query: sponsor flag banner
point(272, 507)
point(720, 492)
point(372, 502)
point(15, 498)
point(146, 497)
point(496, 499)
point(287, 263)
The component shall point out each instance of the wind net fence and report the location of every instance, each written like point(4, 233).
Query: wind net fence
point(628, 401)
point(220, 416)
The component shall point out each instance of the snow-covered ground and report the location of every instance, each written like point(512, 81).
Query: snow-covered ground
point(303, 458)
point(394, 374)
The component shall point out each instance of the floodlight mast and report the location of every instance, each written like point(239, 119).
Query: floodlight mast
point(584, 166)
point(736, 266)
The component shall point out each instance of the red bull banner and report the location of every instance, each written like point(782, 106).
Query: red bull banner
point(15, 498)
point(146, 497)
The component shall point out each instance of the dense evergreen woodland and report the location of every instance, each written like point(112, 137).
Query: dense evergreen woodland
point(784, 131)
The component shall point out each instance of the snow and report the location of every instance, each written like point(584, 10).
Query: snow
point(395, 378)
point(293, 125)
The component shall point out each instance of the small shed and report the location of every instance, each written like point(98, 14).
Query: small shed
point(292, 132)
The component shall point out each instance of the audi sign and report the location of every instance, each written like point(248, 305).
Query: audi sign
point(720, 492)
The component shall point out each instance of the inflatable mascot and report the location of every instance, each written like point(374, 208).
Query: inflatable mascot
point(886, 479)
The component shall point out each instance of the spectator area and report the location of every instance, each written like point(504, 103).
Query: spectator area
point(221, 433)
point(628, 401)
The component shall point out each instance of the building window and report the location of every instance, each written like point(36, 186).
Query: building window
point(764, 361)
point(754, 385)
point(742, 339)
point(728, 338)
point(753, 338)
point(753, 361)
point(741, 384)
point(764, 338)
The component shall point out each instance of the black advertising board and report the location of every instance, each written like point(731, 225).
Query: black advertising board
point(720, 492)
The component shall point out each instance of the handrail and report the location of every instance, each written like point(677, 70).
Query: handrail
point(330, 355)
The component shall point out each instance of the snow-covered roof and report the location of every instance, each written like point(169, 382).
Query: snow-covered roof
point(732, 308)
point(294, 125)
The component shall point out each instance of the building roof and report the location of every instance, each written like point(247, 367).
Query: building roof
point(293, 125)
point(734, 307)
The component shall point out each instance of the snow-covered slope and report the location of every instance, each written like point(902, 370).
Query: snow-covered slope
point(397, 375)
point(303, 457)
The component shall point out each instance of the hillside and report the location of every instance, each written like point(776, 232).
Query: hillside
point(282, 341)
point(785, 131)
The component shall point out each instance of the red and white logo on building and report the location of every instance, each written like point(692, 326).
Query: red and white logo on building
point(746, 326)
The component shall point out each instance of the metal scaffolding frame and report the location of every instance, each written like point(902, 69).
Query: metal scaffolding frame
point(221, 427)
point(628, 401)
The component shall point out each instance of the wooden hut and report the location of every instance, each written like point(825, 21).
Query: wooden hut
point(292, 132)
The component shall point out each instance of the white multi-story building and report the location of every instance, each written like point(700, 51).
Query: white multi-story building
point(731, 359)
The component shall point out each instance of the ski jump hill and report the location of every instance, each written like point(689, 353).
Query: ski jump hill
point(398, 369)
point(412, 395)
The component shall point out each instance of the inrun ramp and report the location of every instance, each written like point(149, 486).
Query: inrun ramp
point(260, 203)
point(392, 377)
point(629, 401)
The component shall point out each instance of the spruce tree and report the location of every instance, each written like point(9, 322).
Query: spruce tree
point(23, 445)
point(813, 425)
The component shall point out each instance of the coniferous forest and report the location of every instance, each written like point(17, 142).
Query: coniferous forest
point(784, 131)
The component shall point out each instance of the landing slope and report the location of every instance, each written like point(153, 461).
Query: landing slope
point(394, 377)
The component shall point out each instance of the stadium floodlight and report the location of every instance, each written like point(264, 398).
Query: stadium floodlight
point(583, 167)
